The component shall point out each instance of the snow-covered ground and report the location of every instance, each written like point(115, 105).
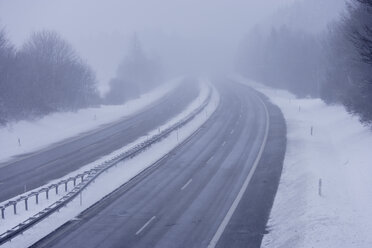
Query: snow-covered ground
point(339, 154)
point(124, 171)
point(38, 134)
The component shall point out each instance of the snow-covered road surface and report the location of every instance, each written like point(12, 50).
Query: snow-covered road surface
point(37, 169)
point(41, 133)
point(108, 182)
point(183, 198)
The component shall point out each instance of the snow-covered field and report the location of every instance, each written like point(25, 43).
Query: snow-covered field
point(123, 172)
point(38, 134)
point(339, 154)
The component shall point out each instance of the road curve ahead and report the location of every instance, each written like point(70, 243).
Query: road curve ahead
point(37, 169)
point(184, 199)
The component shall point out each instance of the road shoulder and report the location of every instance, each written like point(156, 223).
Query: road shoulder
point(248, 223)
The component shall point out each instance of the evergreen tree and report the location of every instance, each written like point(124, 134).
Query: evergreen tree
point(135, 75)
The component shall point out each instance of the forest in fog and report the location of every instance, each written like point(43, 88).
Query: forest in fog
point(43, 76)
point(135, 74)
point(335, 65)
point(47, 75)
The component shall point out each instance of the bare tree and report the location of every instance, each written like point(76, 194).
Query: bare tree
point(45, 75)
point(7, 59)
point(348, 77)
point(53, 75)
point(361, 33)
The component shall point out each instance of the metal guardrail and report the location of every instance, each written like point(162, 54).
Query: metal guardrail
point(86, 178)
point(45, 190)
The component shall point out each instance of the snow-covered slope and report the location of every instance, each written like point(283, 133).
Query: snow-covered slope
point(339, 153)
point(35, 135)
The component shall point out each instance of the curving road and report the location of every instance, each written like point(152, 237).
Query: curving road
point(183, 200)
point(36, 169)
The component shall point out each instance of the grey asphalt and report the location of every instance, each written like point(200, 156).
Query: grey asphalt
point(33, 170)
point(182, 200)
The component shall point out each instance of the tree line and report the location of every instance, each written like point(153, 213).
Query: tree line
point(283, 58)
point(335, 65)
point(45, 75)
point(135, 75)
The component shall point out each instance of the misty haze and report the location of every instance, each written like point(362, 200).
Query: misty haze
point(186, 123)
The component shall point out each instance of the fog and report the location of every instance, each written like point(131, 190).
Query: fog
point(249, 104)
point(187, 35)
point(312, 48)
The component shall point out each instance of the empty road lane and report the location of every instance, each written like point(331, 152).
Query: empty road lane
point(35, 170)
point(194, 197)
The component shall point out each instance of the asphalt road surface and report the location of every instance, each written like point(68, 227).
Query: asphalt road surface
point(36, 169)
point(183, 200)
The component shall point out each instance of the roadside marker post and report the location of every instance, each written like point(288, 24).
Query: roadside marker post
point(320, 187)
point(26, 204)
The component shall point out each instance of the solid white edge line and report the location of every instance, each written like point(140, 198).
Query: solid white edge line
point(209, 159)
point(233, 207)
point(187, 184)
point(145, 225)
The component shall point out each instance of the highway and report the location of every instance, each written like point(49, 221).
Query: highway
point(185, 199)
point(36, 169)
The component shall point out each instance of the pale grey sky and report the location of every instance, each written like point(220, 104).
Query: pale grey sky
point(99, 29)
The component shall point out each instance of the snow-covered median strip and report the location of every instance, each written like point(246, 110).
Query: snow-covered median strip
point(325, 194)
point(38, 134)
point(124, 171)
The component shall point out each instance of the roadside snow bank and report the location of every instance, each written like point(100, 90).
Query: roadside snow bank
point(339, 154)
point(120, 174)
point(35, 135)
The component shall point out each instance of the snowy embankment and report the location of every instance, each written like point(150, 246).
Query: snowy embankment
point(118, 175)
point(325, 194)
point(29, 136)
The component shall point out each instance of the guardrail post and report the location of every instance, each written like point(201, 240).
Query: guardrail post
point(47, 193)
point(26, 204)
point(15, 207)
point(37, 198)
point(56, 189)
point(66, 186)
point(3, 213)
point(74, 181)
point(82, 177)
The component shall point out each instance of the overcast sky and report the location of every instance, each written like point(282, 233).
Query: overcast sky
point(99, 29)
